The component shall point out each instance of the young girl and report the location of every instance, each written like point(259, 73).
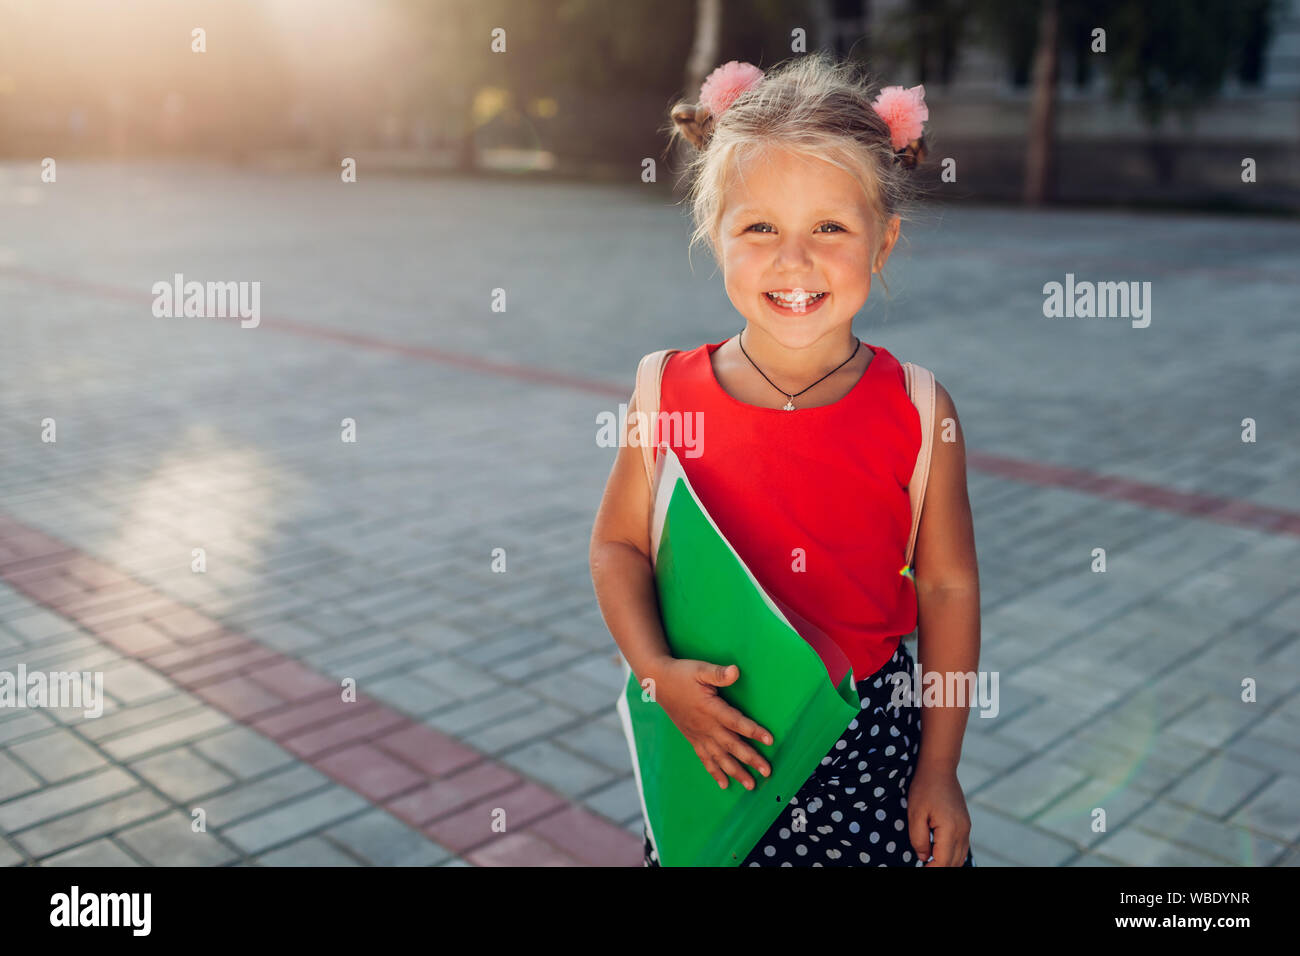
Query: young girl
point(810, 444)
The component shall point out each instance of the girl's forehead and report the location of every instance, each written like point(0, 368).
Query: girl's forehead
point(769, 182)
point(813, 203)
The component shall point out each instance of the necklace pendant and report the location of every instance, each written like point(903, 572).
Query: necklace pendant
point(789, 405)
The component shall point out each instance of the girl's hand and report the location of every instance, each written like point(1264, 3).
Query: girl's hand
point(935, 802)
point(687, 691)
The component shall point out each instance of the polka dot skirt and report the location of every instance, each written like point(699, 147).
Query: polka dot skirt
point(852, 811)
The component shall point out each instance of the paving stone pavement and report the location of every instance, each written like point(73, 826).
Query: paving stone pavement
point(481, 691)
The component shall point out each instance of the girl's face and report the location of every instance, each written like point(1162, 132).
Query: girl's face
point(798, 224)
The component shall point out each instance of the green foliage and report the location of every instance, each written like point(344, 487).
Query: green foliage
point(1176, 54)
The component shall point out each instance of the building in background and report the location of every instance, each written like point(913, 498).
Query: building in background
point(1104, 151)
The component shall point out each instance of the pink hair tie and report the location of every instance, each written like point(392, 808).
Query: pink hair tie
point(724, 85)
point(903, 111)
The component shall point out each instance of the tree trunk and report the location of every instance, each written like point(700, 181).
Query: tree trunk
point(704, 50)
point(466, 147)
point(1042, 109)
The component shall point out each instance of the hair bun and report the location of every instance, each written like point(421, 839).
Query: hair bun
point(695, 123)
point(913, 153)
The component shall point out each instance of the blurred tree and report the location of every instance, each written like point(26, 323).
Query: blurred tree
point(1163, 55)
point(704, 49)
point(1041, 133)
point(587, 78)
point(1176, 54)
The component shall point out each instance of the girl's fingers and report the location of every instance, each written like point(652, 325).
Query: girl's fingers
point(945, 847)
point(733, 720)
point(711, 766)
point(728, 763)
point(747, 727)
point(744, 752)
point(918, 832)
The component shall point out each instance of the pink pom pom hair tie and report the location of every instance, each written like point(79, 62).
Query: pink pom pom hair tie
point(724, 85)
point(904, 111)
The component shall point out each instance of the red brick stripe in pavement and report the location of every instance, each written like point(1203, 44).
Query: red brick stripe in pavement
point(426, 779)
point(1232, 511)
point(1210, 507)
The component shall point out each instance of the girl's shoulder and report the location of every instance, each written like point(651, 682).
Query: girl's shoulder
point(679, 356)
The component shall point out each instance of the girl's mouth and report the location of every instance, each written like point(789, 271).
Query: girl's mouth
point(788, 303)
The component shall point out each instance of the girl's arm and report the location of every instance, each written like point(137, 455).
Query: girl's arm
point(948, 642)
point(620, 561)
point(624, 580)
point(947, 585)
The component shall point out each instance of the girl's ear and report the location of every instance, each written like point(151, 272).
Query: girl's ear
point(887, 244)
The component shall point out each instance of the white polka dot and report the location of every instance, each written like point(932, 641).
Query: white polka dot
point(880, 814)
point(864, 857)
point(837, 816)
point(875, 729)
point(853, 827)
point(875, 837)
point(889, 847)
point(783, 833)
point(889, 751)
point(769, 851)
point(840, 745)
point(898, 824)
point(907, 855)
point(801, 850)
point(853, 724)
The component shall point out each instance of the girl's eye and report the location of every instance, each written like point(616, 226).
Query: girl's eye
point(835, 224)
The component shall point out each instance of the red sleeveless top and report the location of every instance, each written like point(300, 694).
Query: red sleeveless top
point(831, 481)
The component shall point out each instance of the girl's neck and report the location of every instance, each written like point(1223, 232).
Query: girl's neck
point(796, 368)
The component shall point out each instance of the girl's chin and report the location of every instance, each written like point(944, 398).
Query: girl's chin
point(795, 328)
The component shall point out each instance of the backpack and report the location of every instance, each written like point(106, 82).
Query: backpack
point(920, 388)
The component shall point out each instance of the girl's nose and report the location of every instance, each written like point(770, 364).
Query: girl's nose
point(793, 250)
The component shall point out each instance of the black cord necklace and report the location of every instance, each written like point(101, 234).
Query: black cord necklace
point(789, 405)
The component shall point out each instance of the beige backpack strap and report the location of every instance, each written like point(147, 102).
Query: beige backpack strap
point(920, 387)
point(649, 375)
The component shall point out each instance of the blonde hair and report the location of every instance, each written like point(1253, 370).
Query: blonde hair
point(813, 105)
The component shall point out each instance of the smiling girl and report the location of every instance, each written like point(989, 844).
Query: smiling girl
point(798, 182)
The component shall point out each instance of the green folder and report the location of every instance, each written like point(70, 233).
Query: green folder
point(794, 681)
